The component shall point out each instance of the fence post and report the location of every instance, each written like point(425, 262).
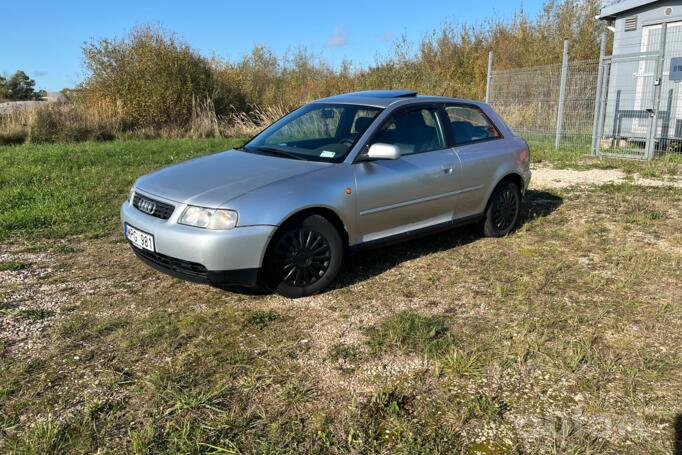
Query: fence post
point(562, 96)
point(650, 147)
point(598, 95)
point(489, 78)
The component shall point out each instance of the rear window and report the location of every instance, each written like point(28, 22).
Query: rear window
point(468, 124)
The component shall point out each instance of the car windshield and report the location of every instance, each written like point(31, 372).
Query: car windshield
point(316, 132)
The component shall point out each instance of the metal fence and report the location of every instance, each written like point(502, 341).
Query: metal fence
point(641, 110)
point(627, 104)
point(551, 104)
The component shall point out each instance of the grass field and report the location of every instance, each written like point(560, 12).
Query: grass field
point(54, 190)
point(564, 337)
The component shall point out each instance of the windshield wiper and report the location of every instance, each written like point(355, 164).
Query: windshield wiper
point(280, 152)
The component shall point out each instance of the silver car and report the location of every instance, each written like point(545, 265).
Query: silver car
point(332, 177)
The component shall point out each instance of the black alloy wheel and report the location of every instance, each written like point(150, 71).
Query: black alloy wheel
point(304, 257)
point(503, 210)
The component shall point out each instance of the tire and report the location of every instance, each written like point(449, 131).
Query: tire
point(304, 257)
point(502, 212)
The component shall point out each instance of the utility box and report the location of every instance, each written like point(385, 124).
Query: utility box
point(643, 103)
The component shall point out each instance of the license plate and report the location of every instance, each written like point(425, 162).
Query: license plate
point(139, 238)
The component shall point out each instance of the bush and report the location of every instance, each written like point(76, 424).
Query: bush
point(149, 78)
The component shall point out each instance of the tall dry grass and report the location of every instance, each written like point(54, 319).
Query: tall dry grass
point(240, 123)
point(207, 123)
point(58, 122)
point(76, 122)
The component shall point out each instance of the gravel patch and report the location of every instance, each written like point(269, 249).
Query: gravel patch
point(546, 177)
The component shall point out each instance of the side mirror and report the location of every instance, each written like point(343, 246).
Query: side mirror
point(380, 151)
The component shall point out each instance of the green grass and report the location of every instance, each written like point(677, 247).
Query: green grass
point(32, 314)
point(262, 319)
point(409, 331)
point(57, 190)
point(13, 266)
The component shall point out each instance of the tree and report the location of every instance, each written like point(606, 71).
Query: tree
point(3, 82)
point(20, 87)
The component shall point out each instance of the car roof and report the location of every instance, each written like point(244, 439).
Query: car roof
point(385, 98)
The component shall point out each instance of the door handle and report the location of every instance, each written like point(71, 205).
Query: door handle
point(448, 168)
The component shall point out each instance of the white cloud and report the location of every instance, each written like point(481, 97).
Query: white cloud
point(339, 38)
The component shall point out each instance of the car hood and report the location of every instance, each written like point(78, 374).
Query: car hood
point(213, 180)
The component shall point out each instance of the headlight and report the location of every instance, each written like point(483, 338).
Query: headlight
point(131, 194)
point(208, 218)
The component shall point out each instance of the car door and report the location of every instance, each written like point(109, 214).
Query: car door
point(473, 135)
point(415, 191)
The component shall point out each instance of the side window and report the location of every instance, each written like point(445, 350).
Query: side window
point(469, 124)
point(363, 118)
point(415, 131)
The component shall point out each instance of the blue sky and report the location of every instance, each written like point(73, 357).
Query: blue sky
point(45, 38)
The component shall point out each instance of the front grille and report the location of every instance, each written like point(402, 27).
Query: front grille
point(152, 206)
point(177, 265)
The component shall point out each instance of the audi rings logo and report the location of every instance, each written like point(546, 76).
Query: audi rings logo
point(146, 206)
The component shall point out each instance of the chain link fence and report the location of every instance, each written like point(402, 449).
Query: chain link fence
point(628, 104)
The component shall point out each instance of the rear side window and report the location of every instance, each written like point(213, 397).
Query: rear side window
point(414, 131)
point(468, 124)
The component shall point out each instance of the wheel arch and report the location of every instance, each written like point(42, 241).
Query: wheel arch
point(514, 177)
point(326, 212)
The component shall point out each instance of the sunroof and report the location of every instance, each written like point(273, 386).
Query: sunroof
point(384, 93)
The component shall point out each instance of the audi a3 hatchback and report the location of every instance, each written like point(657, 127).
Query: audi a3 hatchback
point(331, 177)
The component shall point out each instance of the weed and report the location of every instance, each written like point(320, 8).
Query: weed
point(459, 362)
point(483, 406)
point(343, 352)
point(30, 314)
point(46, 436)
point(13, 266)
point(410, 332)
point(82, 327)
point(262, 319)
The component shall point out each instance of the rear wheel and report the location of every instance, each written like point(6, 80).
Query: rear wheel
point(503, 210)
point(304, 257)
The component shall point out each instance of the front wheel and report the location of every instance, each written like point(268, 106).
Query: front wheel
point(304, 257)
point(503, 210)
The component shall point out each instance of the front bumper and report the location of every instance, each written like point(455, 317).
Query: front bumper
point(196, 273)
point(215, 257)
